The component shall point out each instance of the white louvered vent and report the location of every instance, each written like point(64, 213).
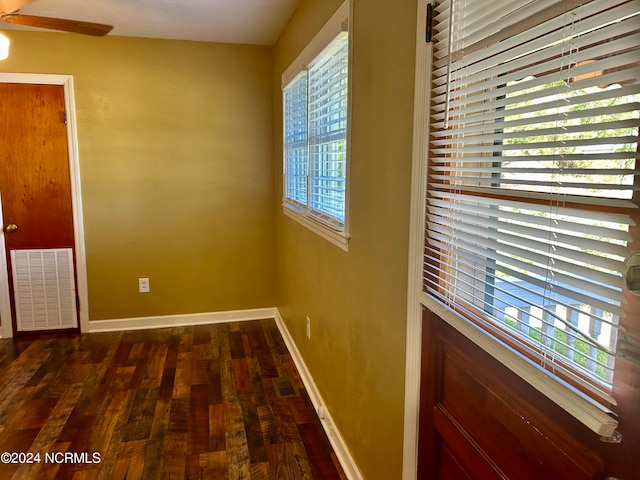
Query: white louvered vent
point(44, 289)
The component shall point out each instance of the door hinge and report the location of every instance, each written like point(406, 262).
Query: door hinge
point(429, 25)
point(65, 118)
point(77, 303)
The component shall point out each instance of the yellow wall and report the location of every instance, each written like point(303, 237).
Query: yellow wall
point(179, 148)
point(175, 148)
point(357, 300)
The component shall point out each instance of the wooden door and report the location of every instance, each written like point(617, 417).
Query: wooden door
point(478, 420)
point(37, 209)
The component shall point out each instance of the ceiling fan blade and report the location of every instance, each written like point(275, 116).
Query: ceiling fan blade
point(10, 6)
point(74, 26)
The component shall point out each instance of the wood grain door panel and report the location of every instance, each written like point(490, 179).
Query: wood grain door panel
point(483, 420)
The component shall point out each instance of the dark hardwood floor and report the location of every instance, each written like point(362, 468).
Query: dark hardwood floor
point(212, 402)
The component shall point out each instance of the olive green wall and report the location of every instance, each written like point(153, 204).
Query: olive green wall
point(357, 300)
point(175, 146)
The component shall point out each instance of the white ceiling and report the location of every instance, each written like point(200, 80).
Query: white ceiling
point(256, 22)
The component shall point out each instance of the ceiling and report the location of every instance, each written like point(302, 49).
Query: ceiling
point(257, 22)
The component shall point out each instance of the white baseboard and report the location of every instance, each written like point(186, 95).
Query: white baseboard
point(166, 321)
point(141, 323)
point(337, 442)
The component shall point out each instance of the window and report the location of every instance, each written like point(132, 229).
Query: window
point(315, 110)
point(532, 176)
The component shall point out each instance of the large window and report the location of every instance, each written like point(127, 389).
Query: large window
point(532, 175)
point(315, 108)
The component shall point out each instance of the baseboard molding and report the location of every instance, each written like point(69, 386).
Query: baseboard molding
point(142, 323)
point(167, 321)
point(337, 442)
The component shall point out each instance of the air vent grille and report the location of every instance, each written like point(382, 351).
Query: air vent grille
point(284, 387)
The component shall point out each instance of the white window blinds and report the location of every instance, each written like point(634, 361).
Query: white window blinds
point(315, 136)
point(532, 172)
point(295, 140)
point(328, 131)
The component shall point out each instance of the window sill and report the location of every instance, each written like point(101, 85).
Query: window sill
point(339, 239)
point(587, 411)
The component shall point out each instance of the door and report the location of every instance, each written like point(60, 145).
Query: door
point(37, 212)
point(479, 420)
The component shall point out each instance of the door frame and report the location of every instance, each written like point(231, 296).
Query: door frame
point(66, 81)
point(413, 368)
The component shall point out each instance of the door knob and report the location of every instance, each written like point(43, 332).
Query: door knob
point(11, 228)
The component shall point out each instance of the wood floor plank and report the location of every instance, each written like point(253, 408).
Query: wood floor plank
point(200, 373)
point(155, 367)
point(108, 430)
point(260, 471)
point(217, 430)
point(318, 451)
point(213, 466)
point(252, 428)
point(215, 379)
point(290, 462)
point(238, 458)
point(236, 345)
point(141, 415)
point(268, 426)
point(159, 426)
point(182, 382)
point(301, 409)
point(50, 430)
point(190, 402)
point(198, 427)
point(24, 366)
point(129, 462)
point(241, 377)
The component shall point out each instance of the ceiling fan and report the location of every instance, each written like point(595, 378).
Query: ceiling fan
point(8, 9)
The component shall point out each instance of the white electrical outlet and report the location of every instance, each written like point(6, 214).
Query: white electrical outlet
point(308, 328)
point(143, 285)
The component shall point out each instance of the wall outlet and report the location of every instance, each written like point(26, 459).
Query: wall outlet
point(143, 285)
point(308, 328)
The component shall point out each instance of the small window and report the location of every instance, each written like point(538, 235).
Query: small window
point(315, 111)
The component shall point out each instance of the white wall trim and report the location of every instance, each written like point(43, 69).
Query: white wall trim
point(339, 239)
point(167, 321)
point(76, 200)
point(416, 249)
point(337, 442)
point(5, 299)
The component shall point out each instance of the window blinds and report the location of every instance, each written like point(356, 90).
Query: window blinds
point(532, 165)
point(315, 135)
point(295, 139)
point(328, 131)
